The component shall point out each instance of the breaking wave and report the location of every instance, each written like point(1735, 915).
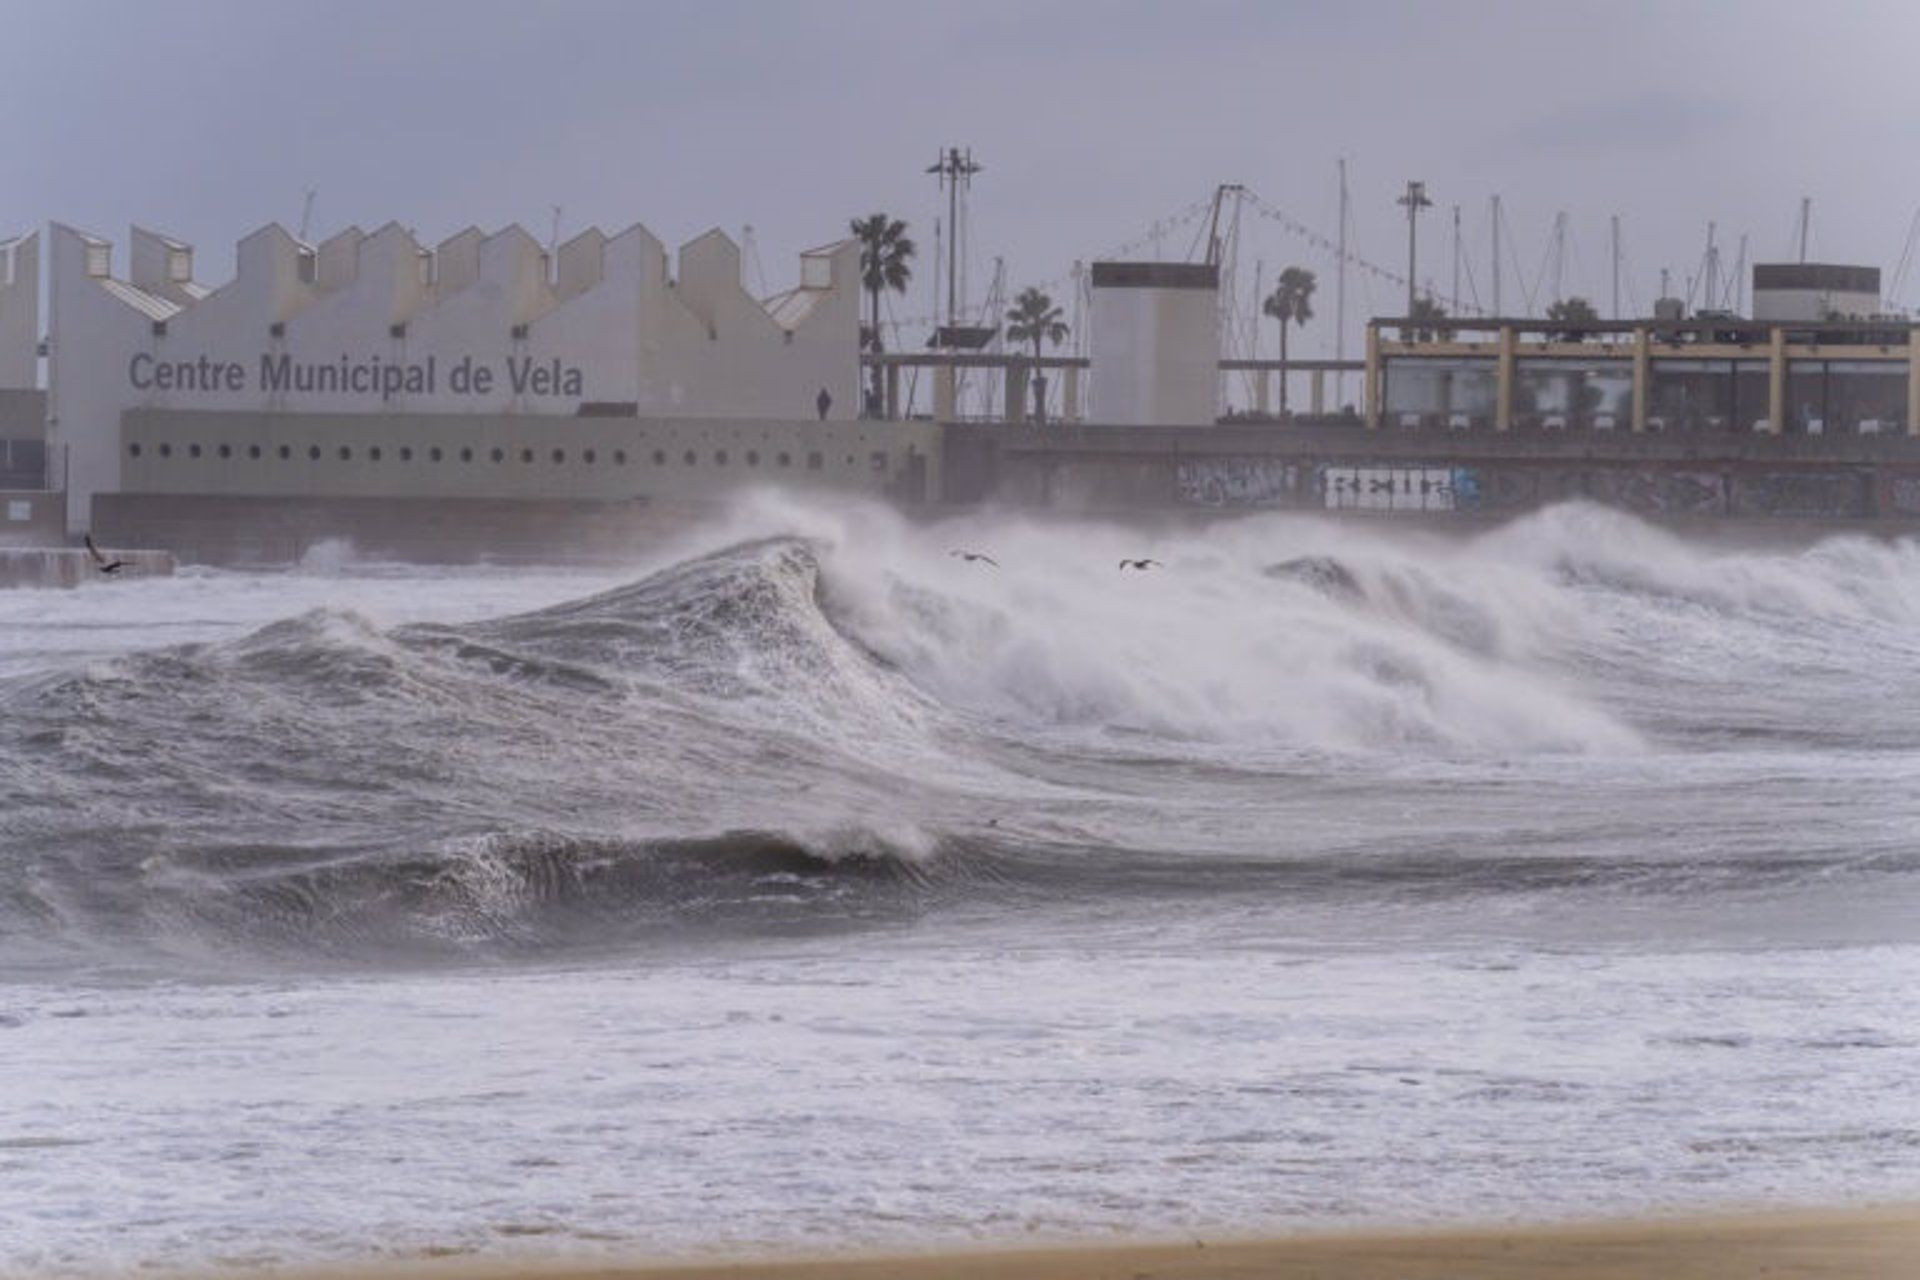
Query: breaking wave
point(823, 718)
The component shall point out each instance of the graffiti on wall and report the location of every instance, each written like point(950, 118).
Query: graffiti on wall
point(1649, 489)
point(1658, 491)
point(1232, 482)
point(1903, 495)
point(1824, 494)
point(1390, 488)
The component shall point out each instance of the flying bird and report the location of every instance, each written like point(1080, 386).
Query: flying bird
point(971, 556)
point(1141, 563)
point(106, 565)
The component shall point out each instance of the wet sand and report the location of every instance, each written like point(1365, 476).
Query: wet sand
point(1875, 1244)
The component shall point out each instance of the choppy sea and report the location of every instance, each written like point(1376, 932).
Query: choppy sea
point(802, 886)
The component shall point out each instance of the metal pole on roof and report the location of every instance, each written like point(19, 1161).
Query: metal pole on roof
point(954, 169)
point(1415, 200)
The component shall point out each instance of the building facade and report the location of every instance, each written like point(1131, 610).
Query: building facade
point(1708, 375)
point(379, 346)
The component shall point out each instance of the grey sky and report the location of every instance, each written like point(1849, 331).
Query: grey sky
point(207, 119)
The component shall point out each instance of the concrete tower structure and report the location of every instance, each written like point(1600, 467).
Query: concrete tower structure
point(1155, 343)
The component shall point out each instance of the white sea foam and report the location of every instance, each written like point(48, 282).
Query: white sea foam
point(814, 888)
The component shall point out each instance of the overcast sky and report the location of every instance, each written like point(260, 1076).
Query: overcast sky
point(1093, 121)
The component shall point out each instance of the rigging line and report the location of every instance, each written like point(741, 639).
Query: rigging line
point(1513, 259)
point(1318, 241)
point(1626, 276)
point(1466, 265)
point(1473, 290)
point(1700, 280)
point(1573, 261)
point(1897, 285)
point(1540, 278)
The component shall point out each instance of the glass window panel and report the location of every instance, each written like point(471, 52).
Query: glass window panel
point(1867, 396)
point(1690, 395)
point(1456, 393)
point(1564, 392)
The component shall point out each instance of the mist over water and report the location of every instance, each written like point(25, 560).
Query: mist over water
point(1571, 823)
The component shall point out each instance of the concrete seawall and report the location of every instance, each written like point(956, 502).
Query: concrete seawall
point(1319, 468)
point(72, 566)
point(235, 529)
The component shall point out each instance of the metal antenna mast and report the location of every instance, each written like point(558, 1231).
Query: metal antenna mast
point(955, 169)
point(1713, 268)
point(1415, 200)
point(1806, 219)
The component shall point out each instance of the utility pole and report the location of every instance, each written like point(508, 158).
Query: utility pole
point(955, 169)
point(1496, 254)
point(1806, 219)
point(1415, 200)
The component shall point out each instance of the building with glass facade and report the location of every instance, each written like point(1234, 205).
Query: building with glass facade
point(1708, 375)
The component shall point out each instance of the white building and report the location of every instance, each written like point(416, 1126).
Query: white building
point(1814, 291)
point(377, 324)
point(1155, 343)
point(19, 311)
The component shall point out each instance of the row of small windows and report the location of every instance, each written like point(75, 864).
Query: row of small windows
point(877, 460)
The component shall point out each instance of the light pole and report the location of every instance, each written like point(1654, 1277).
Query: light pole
point(1415, 200)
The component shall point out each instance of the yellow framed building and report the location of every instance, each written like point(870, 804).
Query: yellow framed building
point(1708, 375)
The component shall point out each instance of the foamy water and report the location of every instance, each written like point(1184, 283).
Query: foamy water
point(805, 885)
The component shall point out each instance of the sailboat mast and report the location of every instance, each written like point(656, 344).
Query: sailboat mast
point(1455, 295)
point(1496, 254)
point(1340, 278)
point(1614, 236)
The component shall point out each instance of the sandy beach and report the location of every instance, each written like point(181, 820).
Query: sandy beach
point(1871, 1244)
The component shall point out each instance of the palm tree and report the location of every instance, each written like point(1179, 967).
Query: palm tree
point(1291, 302)
point(1575, 310)
point(884, 254)
point(1033, 318)
point(1428, 309)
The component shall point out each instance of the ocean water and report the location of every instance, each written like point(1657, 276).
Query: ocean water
point(804, 887)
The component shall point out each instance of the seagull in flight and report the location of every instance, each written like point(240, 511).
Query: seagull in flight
point(1142, 564)
point(106, 565)
point(971, 556)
